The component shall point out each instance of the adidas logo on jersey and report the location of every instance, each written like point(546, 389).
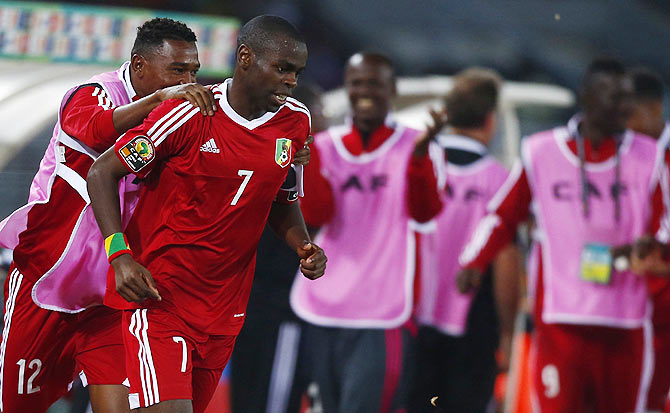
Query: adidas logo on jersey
point(210, 146)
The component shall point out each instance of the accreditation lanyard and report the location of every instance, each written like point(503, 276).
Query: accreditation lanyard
point(581, 152)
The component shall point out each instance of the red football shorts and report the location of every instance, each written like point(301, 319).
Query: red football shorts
point(42, 350)
point(660, 383)
point(168, 360)
point(577, 368)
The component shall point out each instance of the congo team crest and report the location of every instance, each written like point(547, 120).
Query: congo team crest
point(283, 152)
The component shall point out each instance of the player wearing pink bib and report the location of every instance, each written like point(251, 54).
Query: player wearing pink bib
point(59, 263)
point(648, 119)
point(594, 185)
point(358, 176)
point(458, 330)
point(210, 184)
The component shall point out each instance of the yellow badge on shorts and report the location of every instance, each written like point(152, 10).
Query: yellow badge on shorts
point(596, 264)
point(283, 152)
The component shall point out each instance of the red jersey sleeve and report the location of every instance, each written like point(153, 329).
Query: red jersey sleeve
point(163, 133)
point(659, 227)
point(659, 223)
point(509, 207)
point(88, 117)
point(294, 183)
point(318, 204)
point(423, 197)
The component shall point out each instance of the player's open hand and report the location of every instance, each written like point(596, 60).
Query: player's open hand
point(439, 121)
point(195, 93)
point(133, 282)
point(468, 279)
point(303, 155)
point(312, 260)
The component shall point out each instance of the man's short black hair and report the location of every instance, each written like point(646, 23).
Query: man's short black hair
point(647, 84)
point(261, 32)
point(602, 66)
point(376, 58)
point(152, 33)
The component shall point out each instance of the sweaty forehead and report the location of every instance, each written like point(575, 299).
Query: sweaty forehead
point(285, 48)
point(177, 51)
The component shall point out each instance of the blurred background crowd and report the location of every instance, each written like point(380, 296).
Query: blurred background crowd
point(540, 48)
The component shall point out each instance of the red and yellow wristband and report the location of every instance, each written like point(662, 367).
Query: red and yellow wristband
point(116, 245)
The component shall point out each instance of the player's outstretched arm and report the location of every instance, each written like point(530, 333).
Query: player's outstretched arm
point(128, 116)
point(439, 121)
point(287, 222)
point(133, 281)
point(645, 256)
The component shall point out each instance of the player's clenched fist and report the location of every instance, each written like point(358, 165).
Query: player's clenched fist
point(133, 282)
point(312, 260)
point(195, 93)
point(302, 157)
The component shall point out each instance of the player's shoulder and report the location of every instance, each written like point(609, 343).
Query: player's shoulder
point(495, 164)
point(84, 92)
point(644, 146)
point(497, 172)
point(295, 109)
point(409, 130)
point(175, 109)
point(218, 90)
point(328, 135)
point(548, 134)
point(641, 139)
point(541, 139)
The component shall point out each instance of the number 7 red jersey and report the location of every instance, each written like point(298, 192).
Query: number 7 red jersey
point(208, 185)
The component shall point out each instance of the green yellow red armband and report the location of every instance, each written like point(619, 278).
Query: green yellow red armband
point(115, 245)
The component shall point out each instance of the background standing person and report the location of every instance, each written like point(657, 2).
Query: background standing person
point(267, 367)
point(358, 346)
point(55, 239)
point(594, 185)
point(459, 330)
point(209, 186)
point(647, 118)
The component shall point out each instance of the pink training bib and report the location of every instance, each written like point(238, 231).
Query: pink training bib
point(370, 248)
point(574, 292)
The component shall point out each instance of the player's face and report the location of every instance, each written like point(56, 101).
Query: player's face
point(276, 70)
point(370, 87)
point(646, 117)
point(175, 62)
point(609, 102)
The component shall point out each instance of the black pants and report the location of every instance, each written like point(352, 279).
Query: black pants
point(266, 368)
point(461, 371)
point(359, 370)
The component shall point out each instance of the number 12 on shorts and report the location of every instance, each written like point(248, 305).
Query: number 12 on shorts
point(35, 364)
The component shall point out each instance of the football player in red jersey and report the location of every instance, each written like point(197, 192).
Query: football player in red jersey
point(210, 185)
point(42, 349)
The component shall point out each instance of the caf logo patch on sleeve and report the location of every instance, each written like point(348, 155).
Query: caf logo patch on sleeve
point(138, 153)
